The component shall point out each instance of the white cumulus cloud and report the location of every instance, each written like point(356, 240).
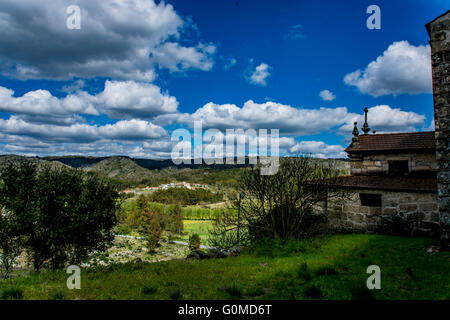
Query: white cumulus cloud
point(327, 95)
point(402, 68)
point(117, 39)
point(119, 99)
point(260, 74)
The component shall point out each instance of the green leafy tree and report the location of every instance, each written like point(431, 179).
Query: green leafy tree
point(10, 242)
point(63, 214)
point(194, 242)
point(150, 228)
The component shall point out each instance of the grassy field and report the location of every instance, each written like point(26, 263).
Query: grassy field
point(333, 267)
point(200, 227)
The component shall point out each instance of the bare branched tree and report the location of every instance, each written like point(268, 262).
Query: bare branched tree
point(284, 205)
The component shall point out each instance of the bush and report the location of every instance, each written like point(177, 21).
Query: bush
point(62, 213)
point(123, 230)
point(148, 290)
point(175, 295)
point(12, 293)
point(303, 272)
point(280, 206)
point(194, 242)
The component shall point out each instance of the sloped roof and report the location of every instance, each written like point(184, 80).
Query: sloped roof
point(389, 183)
point(418, 141)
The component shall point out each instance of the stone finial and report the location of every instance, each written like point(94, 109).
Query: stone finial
point(365, 127)
point(355, 131)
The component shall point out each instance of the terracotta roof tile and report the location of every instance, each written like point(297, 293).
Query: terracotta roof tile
point(394, 141)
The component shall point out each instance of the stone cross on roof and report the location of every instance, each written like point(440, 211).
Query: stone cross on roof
point(365, 127)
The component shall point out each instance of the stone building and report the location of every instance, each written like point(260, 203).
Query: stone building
point(392, 184)
point(403, 178)
point(439, 32)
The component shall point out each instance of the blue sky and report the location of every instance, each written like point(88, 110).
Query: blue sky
point(137, 70)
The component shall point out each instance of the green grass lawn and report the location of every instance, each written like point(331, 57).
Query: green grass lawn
point(332, 266)
point(200, 227)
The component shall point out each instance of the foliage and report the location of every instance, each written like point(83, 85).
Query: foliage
point(223, 235)
point(175, 222)
point(151, 220)
point(303, 272)
point(148, 290)
point(62, 213)
point(150, 228)
point(10, 242)
point(12, 293)
point(194, 242)
point(199, 213)
point(169, 217)
point(176, 294)
point(282, 205)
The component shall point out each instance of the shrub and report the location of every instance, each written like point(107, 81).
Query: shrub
point(123, 229)
point(175, 294)
point(194, 242)
point(314, 293)
point(148, 290)
point(12, 293)
point(303, 272)
point(280, 206)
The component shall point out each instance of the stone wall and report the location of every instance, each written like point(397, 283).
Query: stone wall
point(379, 163)
point(418, 210)
point(439, 31)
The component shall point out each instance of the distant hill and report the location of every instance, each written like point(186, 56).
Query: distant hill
point(76, 161)
point(151, 164)
point(122, 168)
point(131, 172)
point(4, 159)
